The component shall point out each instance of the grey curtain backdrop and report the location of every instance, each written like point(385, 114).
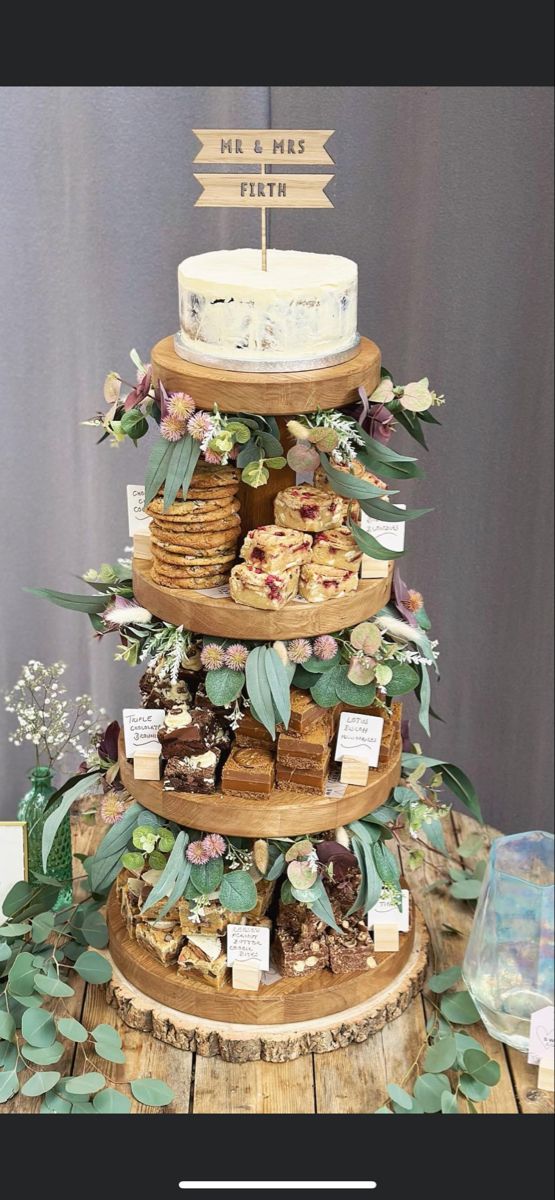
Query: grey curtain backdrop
point(444, 198)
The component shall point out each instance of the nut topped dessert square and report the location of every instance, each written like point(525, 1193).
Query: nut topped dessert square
point(275, 548)
point(336, 548)
point(308, 508)
point(318, 583)
point(258, 588)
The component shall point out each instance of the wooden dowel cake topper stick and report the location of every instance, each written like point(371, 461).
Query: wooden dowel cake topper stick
point(265, 147)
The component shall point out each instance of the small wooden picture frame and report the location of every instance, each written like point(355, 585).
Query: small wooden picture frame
point(13, 858)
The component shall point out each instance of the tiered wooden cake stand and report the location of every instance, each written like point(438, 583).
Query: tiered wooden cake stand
point(291, 1016)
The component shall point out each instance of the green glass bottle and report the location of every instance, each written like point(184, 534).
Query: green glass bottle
point(31, 810)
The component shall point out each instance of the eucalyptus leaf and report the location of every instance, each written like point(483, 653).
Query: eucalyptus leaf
point(40, 1082)
point(449, 1103)
point(108, 1033)
point(472, 1088)
point(428, 1091)
point(259, 690)
point(111, 1101)
point(400, 1097)
point(206, 877)
point(72, 1029)
point(7, 1027)
point(455, 779)
point(224, 685)
point(238, 892)
point(21, 976)
point(9, 1085)
point(53, 1103)
point(107, 1050)
point(321, 907)
point(177, 466)
point(278, 682)
point(404, 679)
point(277, 868)
point(471, 845)
point(93, 968)
point(466, 889)
point(38, 1028)
point(444, 979)
point(50, 985)
point(86, 604)
point(355, 694)
point(459, 1007)
point(441, 1055)
point(84, 1085)
point(152, 1092)
point(44, 1056)
point(157, 468)
point(42, 926)
point(481, 1067)
point(168, 877)
point(370, 545)
point(323, 691)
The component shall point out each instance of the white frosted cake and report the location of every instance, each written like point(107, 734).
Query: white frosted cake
point(303, 308)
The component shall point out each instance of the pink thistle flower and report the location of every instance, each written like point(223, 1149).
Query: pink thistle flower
point(172, 429)
point(199, 426)
point(415, 601)
point(215, 845)
point(325, 647)
point(180, 405)
point(212, 657)
point(112, 808)
point(211, 457)
point(197, 854)
point(236, 656)
point(299, 650)
point(234, 452)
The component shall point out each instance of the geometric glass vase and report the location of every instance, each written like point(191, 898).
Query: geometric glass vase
point(508, 965)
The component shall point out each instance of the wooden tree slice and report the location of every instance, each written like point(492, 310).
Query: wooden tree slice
point(281, 814)
point(222, 617)
point(284, 393)
point(246, 1041)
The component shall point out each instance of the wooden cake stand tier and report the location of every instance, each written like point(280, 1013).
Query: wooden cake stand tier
point(222, 617)
point(282, 394)
point(282, 814)
point(282, 1020)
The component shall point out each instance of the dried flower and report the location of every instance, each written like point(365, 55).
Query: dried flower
point(236, 656)
point(199, 426)
point(212, 657)
point(180, 405)
point(126, 612)
point(197, 854)
point(112, 808)
point(406, 600)
point(52, 724)
point(325, 647)
point(214, 845)
point(112, 388)
point(299, 650)
point(417, 397)
point(172, 429)
point(211, 457)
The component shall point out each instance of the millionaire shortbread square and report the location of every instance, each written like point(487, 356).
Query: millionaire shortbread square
point(319, 583)
point(258, 588)
point(275, 549)
point(336, 548)
point(308, 508)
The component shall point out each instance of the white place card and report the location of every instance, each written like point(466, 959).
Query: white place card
point(139, 520)
point(390, 534)
point(217, 592)
point(13, 858)
point(139, 730)
point(359, 737)
point(385, 910)
point(248, 943)
point(541, 1043)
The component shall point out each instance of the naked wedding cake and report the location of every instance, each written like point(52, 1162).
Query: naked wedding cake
point(303, 308)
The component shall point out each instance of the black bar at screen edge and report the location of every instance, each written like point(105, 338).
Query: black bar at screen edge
point(140, 1157)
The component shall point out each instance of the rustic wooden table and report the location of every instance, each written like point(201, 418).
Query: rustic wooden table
point(352, 1080)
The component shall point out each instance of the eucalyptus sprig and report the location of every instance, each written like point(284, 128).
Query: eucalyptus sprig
point(41, 952)
point(446, 1047)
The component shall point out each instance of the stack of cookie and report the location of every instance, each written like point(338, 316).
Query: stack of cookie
point(194, 542)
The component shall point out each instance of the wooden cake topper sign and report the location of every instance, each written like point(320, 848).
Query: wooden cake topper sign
point(265, 147)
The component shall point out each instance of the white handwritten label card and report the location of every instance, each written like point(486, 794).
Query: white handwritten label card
point(359, 737)
point(541, 1043)
point(385, 911)
point(139, 520)
point(13, 858)
point(248, 943)
point(390, 535)
point(140, 727)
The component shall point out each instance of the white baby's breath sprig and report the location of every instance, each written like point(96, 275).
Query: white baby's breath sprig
point(45, 718)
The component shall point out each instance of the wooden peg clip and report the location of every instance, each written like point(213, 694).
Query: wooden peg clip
point(386, 936)
point(355, 771)
point(146, 766)
point(142, 545)
point(246, 976)
point(545, 1074)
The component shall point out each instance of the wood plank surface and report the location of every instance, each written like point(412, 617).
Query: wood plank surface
point(352, 1079)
